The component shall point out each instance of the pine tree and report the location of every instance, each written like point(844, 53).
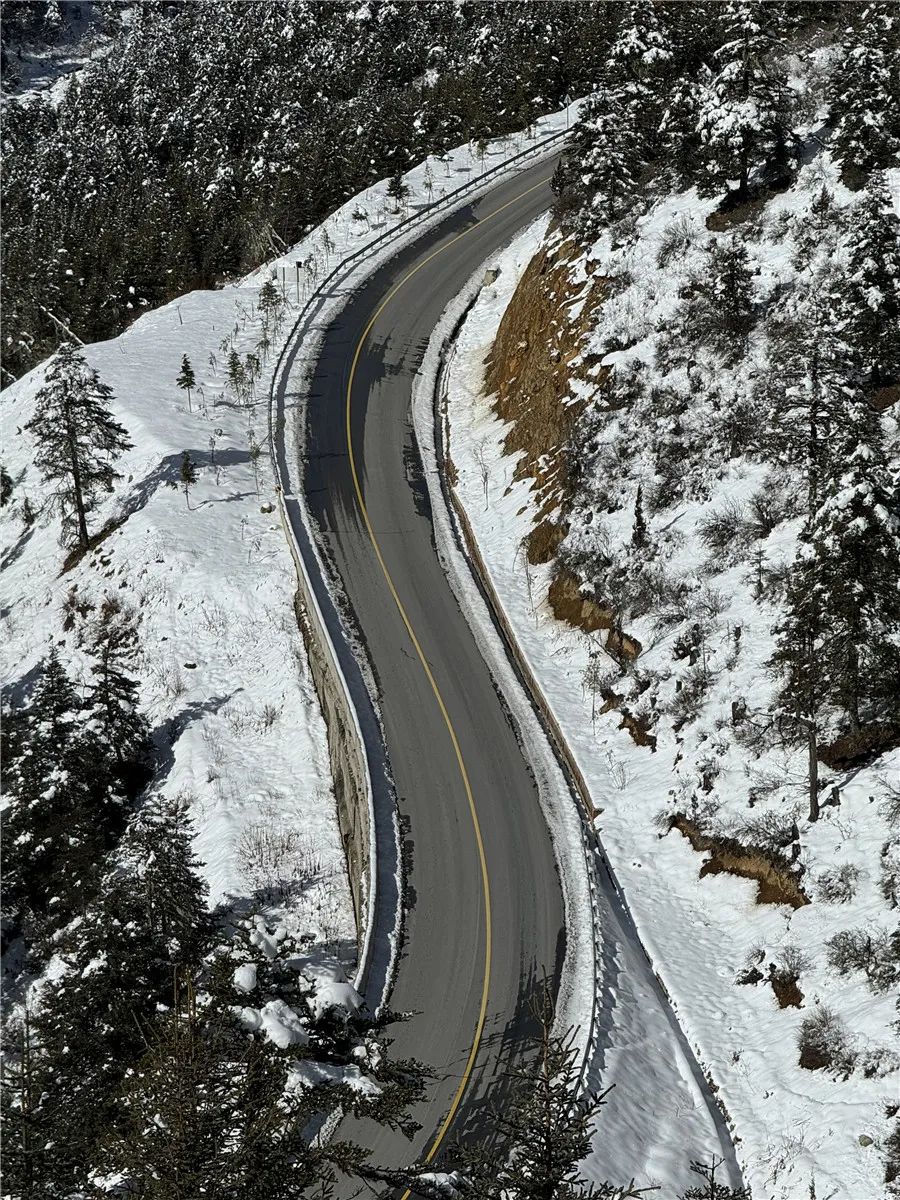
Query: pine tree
point(63, 807)
point(236, 375)
point(25, 1135)
point(863, 90)
point(639, 529)
point(270, 303)
point(724, 305)
point(6, 487)
point(713, 1188)
point(617, 134)
point(78, 439)
point(157, 851)
point(111, 702)
point(129, 957)
point(397, 189)
point(816, 234)
point(742, 118)
point(543, 1130)
point(837, 642)
point(206, 1113)
point(186, 380)
point(187, 475)
point(870, 296)
point(806, 389)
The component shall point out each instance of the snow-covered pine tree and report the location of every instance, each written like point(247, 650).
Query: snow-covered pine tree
point(207, 1109)
point(186, 379)
point(863, 89)
point(397, 189)
point(617, 134)
point(78, 438)
point(130, 956)
point(63, 809)
point(743, 112)
point(270, 304)
point(838, 641)
point(157, 851)
point(724, 302)
point(870, 292)
point(816, 230)
point(111, 702)
point(804, 393)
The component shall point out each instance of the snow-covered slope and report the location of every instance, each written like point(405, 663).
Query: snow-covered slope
point(224, 680)
point(722, 953)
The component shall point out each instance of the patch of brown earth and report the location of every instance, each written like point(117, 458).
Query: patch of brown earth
point(777, 882)
point(568, 604)
point(531, 365)
point(784, 985)
point(544, 540)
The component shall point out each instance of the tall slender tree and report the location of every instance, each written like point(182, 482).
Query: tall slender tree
point(77, 438)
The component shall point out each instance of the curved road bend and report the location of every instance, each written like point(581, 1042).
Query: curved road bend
point(468, 835)
point(484, 891)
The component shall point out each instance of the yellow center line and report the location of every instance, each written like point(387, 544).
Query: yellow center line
point(482, 1012)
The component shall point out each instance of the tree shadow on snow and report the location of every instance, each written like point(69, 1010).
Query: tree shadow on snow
point(168, 472)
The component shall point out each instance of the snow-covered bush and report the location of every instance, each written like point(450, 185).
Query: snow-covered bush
point(838, 884)
point(876, 953)
point(825, 1043)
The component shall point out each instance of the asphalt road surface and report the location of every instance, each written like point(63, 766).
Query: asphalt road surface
point(485, 919)
point(471, 964)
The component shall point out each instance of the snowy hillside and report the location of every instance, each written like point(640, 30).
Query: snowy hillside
point(627, 440)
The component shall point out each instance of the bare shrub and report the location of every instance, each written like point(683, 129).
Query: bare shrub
point(766, 511)
point(677, 238)
point(724, 532)
point(890, 804)
point(889, 881)
point(275, 860)
point(876, 954)
point(792, 960)
point(269, 715)
point(784, 975)
point(687, 702)
point(769, 830)
point(838, 884)
point(824, 1043)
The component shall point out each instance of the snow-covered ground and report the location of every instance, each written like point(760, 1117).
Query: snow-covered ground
point(794, 1128)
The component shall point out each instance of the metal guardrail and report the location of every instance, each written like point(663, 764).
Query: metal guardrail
point(305, 559)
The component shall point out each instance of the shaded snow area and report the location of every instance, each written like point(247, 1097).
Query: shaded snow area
point(72, 37)
point(722, 954)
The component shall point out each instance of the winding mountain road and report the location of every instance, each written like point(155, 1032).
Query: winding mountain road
point(485, 920)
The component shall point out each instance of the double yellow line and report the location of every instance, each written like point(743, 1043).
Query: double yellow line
point(482, 1011)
